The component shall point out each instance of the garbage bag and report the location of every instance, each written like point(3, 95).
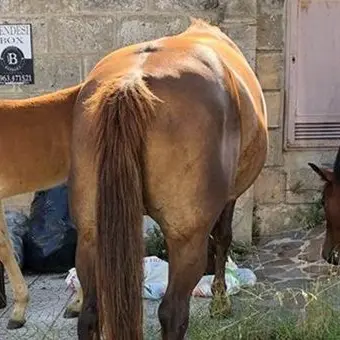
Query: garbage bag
point(50, 242)
point(155, 279)
point(17, 224)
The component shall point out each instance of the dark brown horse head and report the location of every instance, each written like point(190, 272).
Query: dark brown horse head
point(331, 204)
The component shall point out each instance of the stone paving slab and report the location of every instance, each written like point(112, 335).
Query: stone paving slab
point(291, 259)
point(48, 300)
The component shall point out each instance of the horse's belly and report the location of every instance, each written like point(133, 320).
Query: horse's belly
point(26, 172)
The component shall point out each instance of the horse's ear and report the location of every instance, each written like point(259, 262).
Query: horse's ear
point(325, 174)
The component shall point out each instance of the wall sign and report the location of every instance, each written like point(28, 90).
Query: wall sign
point(16, 56)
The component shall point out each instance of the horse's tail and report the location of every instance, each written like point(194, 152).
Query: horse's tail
point(123, 110)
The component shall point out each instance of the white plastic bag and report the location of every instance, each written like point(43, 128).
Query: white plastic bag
point(156, 279)
point(72, 280)
point(246, 277)
point(203, 288)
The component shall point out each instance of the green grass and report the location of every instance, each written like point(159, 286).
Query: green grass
point(264, 313)
point(313, 216)
point(155, 244)
point(240, 251)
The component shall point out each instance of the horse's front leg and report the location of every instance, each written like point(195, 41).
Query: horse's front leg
point(16, 279)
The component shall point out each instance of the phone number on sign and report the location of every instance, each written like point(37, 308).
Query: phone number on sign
point(15, 78)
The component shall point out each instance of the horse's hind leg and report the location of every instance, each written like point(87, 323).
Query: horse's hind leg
point(222, 237)
point(82, 200)
point(88, 318)
point(186, 265)
point(187, 243)
point(16, 279)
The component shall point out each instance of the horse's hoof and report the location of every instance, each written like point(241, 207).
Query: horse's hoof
point(70, 314)
point(220, 307)
point(15, 324)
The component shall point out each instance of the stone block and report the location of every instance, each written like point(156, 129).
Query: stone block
point(16, 94)
point(276, 218)
point(270, 186)
point(6, 7)
point(273, 102)
point(39, 32)
point(244, 36)
point(303, 179)
point(295, 159)
point(43, 6)
point(270, 6)
point(242, 33)
point(251, 58)
point(113, 5)
point(243, 217)
point(275, 150)
point(303, 185)
point(8, 91)
point(241, 9)
point(187, 5)
point(90, 61)
point(53, 73)
point(303, 196)
point(270, 34)
point(136, 29)
point(225, 8)
point(85, 34)
point(269, 69)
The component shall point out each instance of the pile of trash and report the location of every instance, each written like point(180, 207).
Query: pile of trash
point(156, 279)
point(45, 241)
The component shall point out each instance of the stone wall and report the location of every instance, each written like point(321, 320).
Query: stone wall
point(286, 185)
point(70, 36)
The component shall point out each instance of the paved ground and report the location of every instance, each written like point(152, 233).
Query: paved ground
point(291, 259)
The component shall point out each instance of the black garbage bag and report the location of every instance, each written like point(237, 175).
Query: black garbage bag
point(50, 243)
point(17, 224)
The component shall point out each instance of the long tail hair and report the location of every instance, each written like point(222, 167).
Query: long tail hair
point(124, 111)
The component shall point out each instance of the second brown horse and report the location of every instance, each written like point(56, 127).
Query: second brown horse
point(176, 128)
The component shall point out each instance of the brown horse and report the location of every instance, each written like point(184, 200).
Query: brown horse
point(176, 128)
point(331, 203)
point(34, 155)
